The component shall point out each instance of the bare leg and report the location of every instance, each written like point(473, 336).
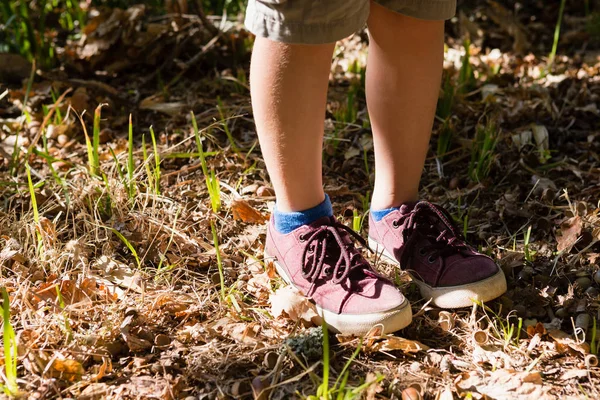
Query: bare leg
point(403, 79)
point(289, 94)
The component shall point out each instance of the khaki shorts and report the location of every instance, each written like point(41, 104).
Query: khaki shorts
point(326, 21)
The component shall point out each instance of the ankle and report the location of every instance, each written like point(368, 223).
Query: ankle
point(391, 200)
point(286, 222)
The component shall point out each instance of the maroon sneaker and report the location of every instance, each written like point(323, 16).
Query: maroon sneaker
point(321, 261)
point(421, 239)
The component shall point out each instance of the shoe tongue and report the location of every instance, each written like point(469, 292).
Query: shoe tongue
point(407, 207)
point(322, 221)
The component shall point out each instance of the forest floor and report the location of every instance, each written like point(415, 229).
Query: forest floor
point(136, 270)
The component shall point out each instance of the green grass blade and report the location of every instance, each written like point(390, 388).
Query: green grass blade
point(156, 162)
point(10, 347)
point(129, 246)
point(131, 187)
point(556, 34)
point(95, 160)
point(34, 205)
point(219, 261)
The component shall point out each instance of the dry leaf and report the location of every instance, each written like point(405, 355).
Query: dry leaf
point(570, 231)
point(104, 368)
point(156, 103)
point(289, 300)
point(242, 210)
point(445, 394)
point(391, 343)
point(94, 391)
point(374, 386)
point(565, 342)
point(239, 331)
point(504, 384)
point(573, 374)
point(69, 369)
point(259, 285)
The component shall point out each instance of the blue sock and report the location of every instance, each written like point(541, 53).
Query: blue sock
point(379, 214)
point(285, 222)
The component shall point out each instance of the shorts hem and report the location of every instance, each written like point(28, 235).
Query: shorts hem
point(431, 10)
point(262, 25)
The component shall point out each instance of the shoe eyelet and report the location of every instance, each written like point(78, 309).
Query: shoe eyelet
point(431, 259)
point(395, 224)
point(422, 251)
point(302, 238)
point(327, 271)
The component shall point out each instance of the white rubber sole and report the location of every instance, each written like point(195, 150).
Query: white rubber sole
point(453, 296)
point(358, 324)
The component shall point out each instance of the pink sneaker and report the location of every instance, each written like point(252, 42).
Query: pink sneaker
point(421, 239)
point(321, 261)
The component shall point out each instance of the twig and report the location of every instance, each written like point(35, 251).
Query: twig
point(207, 24)
point(195, 59)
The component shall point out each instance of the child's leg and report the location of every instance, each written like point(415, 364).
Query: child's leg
point(289, 93)
point(403, 81)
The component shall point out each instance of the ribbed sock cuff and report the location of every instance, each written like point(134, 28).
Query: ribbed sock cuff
point(378, 215)
point(286, 222)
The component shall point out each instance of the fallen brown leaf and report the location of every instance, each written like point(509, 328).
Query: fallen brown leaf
point(565, 342)
point(243, 211)
point(504, 384)
point(69, 369)
point(391, 343)
point(289, 300)
point(570, 231)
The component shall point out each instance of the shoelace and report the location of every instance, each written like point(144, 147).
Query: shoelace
point(315, 253)
point(425, 216)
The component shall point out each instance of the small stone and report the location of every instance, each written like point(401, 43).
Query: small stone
point(521, 310)
point(62, 139)
point(250, 189)
point(562, 313)
point(582, 321)
point(116, 348)
point(162, 340)
point(526, 273)
point(33, 124)
point(592, 292)
point(581, 306)
point(453, 184)
point(215, 278)
point(264, 191)
point(411, 393)
point(583, 282)
point(492, 215)
point(51, 132)
point(597, 277)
